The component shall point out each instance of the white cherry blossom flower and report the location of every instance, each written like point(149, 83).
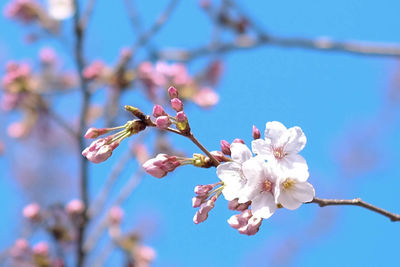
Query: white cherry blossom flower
point(282, 145)
point(61, 9)
point(293, 189)
point(261, 186)
point(231, 172)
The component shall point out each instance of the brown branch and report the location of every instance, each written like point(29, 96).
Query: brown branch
point(79, 29)
point(322, 202)
point(318, 44)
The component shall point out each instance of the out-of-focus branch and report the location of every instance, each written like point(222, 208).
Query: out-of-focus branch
point(123, 195)
point(322, 202)
point(318, 44)
point(79, 29)
point(62, 123)
point(160, 21)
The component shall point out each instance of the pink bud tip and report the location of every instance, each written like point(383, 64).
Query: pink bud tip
point(163, 122)
point(202, 214)
point(75, 207)
point(225, 147)
point(176, 104)
point(202, 190)
point(94, 132)
point(31, 211)
point(256, 133)
point(181, 116)
point(238, 140)
point(173, 92)
point(115, 215)
point(41, 249)
point(158, 111)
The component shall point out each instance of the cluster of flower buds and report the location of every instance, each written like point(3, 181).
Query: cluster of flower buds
point(205, 199)
point(163, 120)
point(102, 148)
point(245, 223)
point(197, 89)
point(23, 255)
point(118, 77)
point(30, 11)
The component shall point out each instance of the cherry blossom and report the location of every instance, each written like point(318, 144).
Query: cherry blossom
point(231, 173)
point(281, 145)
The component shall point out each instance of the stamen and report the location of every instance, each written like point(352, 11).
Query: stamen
point(288, 183)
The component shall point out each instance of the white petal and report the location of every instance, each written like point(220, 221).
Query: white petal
point(294, 161)
point(303, 192)
point(240, 152)
point(253, 170)
point(229, 171)
point(61, 9)
point(287, 200)
point(262, 148)
point(263, 205)
point(296, 140)
point(274, 130)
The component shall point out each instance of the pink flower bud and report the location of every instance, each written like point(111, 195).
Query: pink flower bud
point(161, 165)
point(158, 111)
point(202, 190)
point(206, 98)
point(202, 214)
point(75, 207)
point(235, 205)
point(17, 130)
point(163, 122)
point(47, 56)
point(31, 211)
point(99, 150)
point(240, 220)
point(41, 249)
point(143, 255)
point(173, 93)
point(176, 104)
point(197, 201)
point(220, 156)
point(238, 140)
point(115, 215)
point(225, 147)
point(181, 117)
point(20, 248)
point(94, 132)
point(256, 133)
point(252, 227)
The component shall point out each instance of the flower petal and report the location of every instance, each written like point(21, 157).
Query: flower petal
point(294, 161)
point(263, 205)
point(274, 130)
point(296, 141)
point(240, 152)
point(287, 200)
point(262, 148)
point(303, 192)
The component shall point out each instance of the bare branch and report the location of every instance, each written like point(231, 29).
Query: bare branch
point(322, 202)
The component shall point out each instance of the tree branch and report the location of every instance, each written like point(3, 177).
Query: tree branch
point(322, 202)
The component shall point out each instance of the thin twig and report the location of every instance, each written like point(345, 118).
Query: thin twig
point(160, 21)
point(83, 177)
point(62, 123)
point(318, 44)
point(95, 235)
point(322, 202)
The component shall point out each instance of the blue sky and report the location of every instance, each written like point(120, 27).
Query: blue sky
point(330, 95)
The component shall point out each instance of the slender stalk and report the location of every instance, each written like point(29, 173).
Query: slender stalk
point(199, 145)
point(83, 169)
point(322, 202)
point(318, 44)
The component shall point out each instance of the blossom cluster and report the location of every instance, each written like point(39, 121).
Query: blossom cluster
point(255, 185)
point(275, 177)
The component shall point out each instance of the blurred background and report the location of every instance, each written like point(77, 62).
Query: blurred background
point(347, 105)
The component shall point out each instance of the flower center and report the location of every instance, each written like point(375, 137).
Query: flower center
point(288, 183)
point(279, 153)
point(267, 186)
